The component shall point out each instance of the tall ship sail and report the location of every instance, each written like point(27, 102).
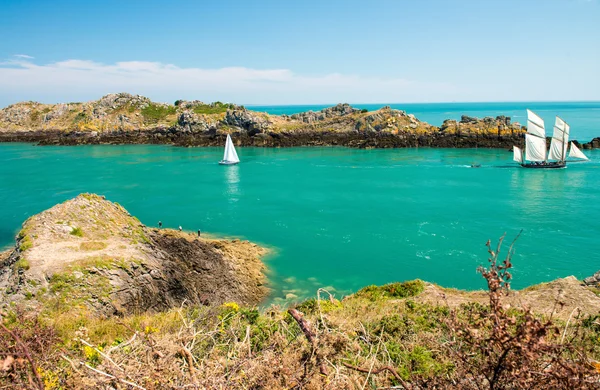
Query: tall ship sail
point(577, 154)
point(230, 156)
point(560, 141)
point(535, 144)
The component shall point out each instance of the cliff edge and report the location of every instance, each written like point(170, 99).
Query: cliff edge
point(89, 251)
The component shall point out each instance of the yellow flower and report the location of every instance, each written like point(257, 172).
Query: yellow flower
point(231, 305)
point(150, 329)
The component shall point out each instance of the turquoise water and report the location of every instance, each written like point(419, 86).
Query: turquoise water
point(335, 217)
point(584, 117)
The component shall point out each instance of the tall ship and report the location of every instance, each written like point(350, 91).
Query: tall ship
point(536, 155)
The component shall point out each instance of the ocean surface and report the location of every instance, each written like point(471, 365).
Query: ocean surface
point(334, 217)
point(583, 117)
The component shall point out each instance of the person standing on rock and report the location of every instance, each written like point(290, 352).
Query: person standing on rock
point(180, 228)
point(198, 232)
point(159, 224)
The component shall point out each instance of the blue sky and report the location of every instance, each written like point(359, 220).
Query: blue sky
point(284, 52)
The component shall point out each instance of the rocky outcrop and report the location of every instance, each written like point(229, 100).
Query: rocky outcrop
point(326, 113)
point(251, 123)
point(89, 251)
point(593, 144)
point(500, 126)
point(593, 280)
point(130, 119)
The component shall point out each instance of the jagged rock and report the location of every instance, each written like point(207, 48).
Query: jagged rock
point(330, 112)
point(468, 119)
point(593, 280)
point(252, 123)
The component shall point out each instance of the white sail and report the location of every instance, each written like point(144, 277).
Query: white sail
point(535, 148)
point(535, 125)
point(560, 141)
point(517, 155)
point(230, 154)
point(576, 153)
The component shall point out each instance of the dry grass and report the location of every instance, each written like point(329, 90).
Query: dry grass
point(380, 337)
point(92, 246)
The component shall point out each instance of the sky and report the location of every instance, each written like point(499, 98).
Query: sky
point(301, 52)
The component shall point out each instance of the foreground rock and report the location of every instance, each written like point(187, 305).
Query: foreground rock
point(90, 251)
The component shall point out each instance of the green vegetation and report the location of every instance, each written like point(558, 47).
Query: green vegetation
point(77, 231)
point(22, 264)
point(154, 113)
point(80, 117)
point(213, 108)
point(364, 110)
point(392, 290)
point(380, 337)
point(25, 243)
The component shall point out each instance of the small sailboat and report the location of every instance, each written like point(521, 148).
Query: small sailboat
point(230, 156)
point(535, 145)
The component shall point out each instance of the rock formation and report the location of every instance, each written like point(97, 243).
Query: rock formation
point(124, 118)
point(92, 252)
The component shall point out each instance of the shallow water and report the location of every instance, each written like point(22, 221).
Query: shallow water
point(335, 217)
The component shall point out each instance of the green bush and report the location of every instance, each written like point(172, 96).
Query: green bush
point(77, 232)
point(392, 290)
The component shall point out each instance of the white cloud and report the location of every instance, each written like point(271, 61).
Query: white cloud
point(74, 79)
point(23, 56)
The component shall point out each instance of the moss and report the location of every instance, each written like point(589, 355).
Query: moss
point(393, 290)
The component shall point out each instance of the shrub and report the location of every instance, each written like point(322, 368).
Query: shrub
point(77, 232)
point(22, 264)
point(392, 290)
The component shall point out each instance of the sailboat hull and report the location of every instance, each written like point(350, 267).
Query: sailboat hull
point(550, 165)
point(223, 162)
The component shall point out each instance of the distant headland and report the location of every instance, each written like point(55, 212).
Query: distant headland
point(133, 119)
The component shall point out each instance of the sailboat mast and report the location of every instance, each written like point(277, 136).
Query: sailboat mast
point(564, 147)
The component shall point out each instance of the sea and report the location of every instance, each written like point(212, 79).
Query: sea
point(340, 218)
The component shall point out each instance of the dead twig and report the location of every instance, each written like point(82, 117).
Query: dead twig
point(391, 369)
point(311, 337)
point(39, 383)
point(112, 376)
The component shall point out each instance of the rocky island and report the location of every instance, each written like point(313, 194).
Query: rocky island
point(126, 119)
point(92, 298)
